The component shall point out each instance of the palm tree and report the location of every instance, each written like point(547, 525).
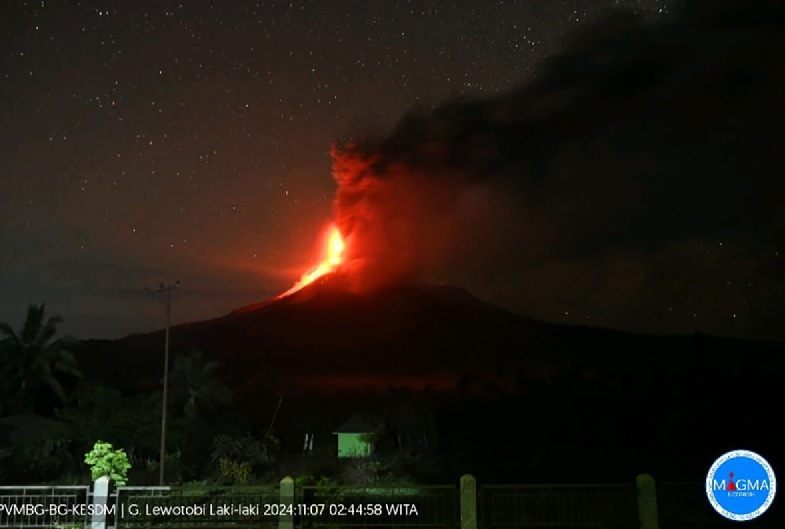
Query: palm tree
point(33, 358)
point(195, 384)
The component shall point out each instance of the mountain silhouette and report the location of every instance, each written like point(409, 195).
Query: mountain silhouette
point(326, 337)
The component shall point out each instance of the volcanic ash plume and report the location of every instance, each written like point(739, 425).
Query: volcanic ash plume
point(400, 220)
point(583, 175)
point(591, 190)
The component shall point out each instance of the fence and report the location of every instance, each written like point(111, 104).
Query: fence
point(194, 507)
point(389, 506)
point(684, 506)
point(37, 507)
point(639, 505)
point(557, 506)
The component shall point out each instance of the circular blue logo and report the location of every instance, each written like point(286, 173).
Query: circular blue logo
point(741, 485)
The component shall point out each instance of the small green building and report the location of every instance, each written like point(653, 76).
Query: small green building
point(354, 437)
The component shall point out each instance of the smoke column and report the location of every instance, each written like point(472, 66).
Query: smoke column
point(635, 142)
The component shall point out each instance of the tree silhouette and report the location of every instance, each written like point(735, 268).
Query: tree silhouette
point(196, 387)
point(34, 359)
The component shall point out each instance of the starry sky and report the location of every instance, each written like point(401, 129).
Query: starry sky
point(155, 140)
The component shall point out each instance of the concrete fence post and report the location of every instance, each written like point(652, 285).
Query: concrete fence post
point(468, 502)
point(286, 521)
point(99, 499)
point(647, 502)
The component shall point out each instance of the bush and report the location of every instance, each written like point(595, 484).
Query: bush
point(234, 472)
point(104, 460)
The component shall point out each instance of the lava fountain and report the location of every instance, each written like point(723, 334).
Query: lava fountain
point(333, 255)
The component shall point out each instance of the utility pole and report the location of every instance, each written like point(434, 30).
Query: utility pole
point(164, 295)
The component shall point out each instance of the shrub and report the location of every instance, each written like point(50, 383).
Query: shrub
point(234, 472)
point(104, 460)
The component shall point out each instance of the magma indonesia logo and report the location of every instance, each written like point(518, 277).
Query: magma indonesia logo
point(741, 485)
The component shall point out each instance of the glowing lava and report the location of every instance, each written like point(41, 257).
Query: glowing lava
point(333, 257)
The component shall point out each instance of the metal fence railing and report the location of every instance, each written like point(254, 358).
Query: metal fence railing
point(410, 506)
point(557, 506)
point(629, 506)
point(38, 507)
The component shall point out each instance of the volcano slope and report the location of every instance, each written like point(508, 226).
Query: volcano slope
point(327, 338)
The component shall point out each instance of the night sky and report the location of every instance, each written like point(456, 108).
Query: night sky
point(152, 140)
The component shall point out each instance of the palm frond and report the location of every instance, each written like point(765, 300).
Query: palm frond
point(67, 357)
point(32, 324)
point(221, 394)
point(8, 332)
point(67, 368)
point(47, 331)
point(52, 383)
point(190, 409)
point(211, 367)
point(35, 356)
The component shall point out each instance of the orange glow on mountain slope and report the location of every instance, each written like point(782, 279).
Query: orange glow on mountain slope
point(332, 259)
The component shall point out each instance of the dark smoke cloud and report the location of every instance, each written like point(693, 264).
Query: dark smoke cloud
point(595, 184)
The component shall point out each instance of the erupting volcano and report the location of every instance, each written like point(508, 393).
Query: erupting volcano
point(332, 258)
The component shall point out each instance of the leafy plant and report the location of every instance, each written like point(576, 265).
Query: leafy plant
point(196, 387)
point(104, 460)
point(34, 360)
point(234, 472)
point(244, 448)
point(312, 481)
point(97, 411)
point(48, 456)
